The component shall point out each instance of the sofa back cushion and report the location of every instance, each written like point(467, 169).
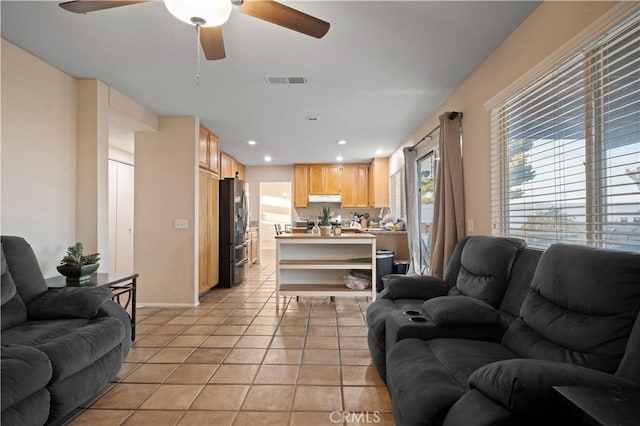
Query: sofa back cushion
point(519, 282)
point(485, 267)
point(24, 268)
point(580, 308)
point(13, 311)
point(452, 268)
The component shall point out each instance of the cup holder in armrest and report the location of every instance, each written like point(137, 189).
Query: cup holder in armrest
point(418, 319)
point(412, 313)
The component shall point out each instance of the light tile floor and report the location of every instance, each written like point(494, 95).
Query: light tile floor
point(238, 360)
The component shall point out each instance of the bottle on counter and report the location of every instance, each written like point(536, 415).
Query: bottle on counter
point(315, 230)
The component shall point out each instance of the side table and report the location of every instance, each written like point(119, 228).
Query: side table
point(119, 284)
point(600, 406)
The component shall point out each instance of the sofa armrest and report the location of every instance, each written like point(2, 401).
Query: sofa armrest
point(448, 311)
point(68, 302)
point(525, 385)
point(415, 286)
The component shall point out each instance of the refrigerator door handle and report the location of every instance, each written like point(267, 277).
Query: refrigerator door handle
point(242, 262)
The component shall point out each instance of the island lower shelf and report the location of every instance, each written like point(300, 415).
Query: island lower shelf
point(312, 266)
point(322, 290)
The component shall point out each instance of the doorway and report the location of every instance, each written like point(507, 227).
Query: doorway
point(275, 209)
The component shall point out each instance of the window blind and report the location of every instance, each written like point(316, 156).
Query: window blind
point(397, 194)
point(566, 150)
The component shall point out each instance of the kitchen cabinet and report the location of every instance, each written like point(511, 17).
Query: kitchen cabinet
point(324, 179)
point(379, 182)
point(301, 185)
point(208, 235)
point(315, 265)
point(229, 166)
point(253, 236)
point(355, 183)
point(208, 150)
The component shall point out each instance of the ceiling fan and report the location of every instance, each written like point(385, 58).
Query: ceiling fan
point(209, 15)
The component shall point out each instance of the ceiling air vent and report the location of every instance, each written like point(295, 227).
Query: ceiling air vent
point(294, 80)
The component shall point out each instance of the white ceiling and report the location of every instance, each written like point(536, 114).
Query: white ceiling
point(381, 70)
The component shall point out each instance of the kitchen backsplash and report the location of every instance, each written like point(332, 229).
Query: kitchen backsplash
point(311, 213)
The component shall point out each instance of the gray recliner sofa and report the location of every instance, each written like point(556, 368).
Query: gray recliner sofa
point(59, 347)
point(578, 326)
point(484, 284)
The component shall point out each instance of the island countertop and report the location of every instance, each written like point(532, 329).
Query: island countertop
point(343, 236)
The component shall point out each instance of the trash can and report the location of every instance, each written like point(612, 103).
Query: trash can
point(400, 267)
point(384, 266)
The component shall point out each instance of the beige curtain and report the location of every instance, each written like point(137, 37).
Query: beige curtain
point(448, 209)
point(411, 199)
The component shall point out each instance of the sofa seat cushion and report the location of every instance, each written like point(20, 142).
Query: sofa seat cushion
point(70, 345)
point(425, 378)
point(25, 371)
point(459, 311)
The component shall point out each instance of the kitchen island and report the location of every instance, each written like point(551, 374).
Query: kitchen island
point(315, 265)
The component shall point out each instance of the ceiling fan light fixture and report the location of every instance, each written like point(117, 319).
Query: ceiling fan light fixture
point(212, 12)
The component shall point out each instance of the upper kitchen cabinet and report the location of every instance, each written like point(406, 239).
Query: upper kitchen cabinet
point(324, 179)
point(301, 185)
point(229, 166)
point(240, 170)
point(379, 182)
point(208, 150)
point(355, 183)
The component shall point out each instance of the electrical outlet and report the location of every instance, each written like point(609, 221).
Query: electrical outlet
point(181, 224)
point(471, 224)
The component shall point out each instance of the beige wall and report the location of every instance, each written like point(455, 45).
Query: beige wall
point(39, 105)
point(166, 188)
point(92, 173)
point(550, 26)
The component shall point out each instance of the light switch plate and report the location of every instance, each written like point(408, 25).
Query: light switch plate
point(471, 224)
point(181, 224)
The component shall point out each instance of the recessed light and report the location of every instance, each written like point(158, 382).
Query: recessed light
point(267, 158)
point(339, 158)
point(378, 152)
point(342, 142)
point(252, 142)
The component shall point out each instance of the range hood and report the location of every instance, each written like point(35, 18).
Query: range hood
point(325, 198)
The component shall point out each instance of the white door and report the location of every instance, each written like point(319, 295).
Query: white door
point(120, 217)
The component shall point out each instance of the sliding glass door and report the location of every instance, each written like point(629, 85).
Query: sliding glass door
point(426, 175)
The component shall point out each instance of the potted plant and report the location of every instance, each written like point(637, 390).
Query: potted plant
point(325, 220)
point(76, 266)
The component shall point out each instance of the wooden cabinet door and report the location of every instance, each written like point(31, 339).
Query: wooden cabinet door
point(254, 246)
point(203, 235)
point(212, 264)
point(241, 172)
point(379, 183)
point(301, 185)
point(203, 148)
point(214, 165)
point(225, 166)
point(316, 179)
point(361, 188)
point(234, 168)
point(332, 176)
point(348, 186)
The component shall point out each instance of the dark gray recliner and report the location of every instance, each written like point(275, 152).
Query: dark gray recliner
point(475, 281)
point(59, 347)
point(574, 329)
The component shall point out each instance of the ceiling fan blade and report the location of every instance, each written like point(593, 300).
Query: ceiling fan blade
point(84, 6)
point(279, 14)
point(212, 43)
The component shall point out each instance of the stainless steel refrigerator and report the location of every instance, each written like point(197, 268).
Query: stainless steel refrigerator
point(234, 215)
